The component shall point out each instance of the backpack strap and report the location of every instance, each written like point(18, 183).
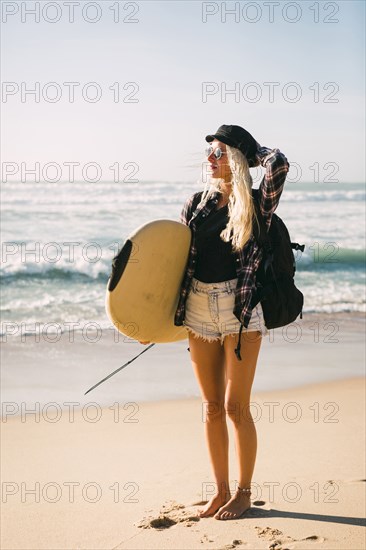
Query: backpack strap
point(260, 234)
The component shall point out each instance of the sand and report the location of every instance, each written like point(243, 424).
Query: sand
point(132, 476)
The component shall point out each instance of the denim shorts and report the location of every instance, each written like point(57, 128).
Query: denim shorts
point(209, 311)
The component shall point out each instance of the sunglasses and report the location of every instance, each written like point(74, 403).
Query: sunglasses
point(216, 152)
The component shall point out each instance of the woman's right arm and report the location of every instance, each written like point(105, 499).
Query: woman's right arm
point(271, 186)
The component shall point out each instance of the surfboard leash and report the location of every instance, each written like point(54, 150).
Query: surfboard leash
point(117, 370)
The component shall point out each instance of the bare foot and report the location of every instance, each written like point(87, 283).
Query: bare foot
point(236, 506)
point(213, 505)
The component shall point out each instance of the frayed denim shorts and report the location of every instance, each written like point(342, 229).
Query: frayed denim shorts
point(209, 311)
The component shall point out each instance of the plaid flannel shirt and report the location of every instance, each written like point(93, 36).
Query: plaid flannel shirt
point(248, 258)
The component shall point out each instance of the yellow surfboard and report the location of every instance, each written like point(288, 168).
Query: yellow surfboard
point(143, 289)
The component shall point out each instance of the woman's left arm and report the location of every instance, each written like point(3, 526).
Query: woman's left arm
point(272, 184)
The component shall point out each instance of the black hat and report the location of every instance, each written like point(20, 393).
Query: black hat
point(237, 137)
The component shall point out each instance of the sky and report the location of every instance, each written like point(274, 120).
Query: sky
point(152, 79)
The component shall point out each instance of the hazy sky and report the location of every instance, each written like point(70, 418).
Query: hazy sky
point(295, 71)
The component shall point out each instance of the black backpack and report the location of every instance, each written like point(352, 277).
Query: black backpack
point(281, 301)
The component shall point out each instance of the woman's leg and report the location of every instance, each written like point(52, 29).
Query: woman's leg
point(208, 365)
point(240, 376)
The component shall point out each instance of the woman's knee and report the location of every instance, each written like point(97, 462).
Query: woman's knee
point(238, 411)
point(213, 411)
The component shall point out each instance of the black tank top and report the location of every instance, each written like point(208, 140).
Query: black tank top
point(215, 260)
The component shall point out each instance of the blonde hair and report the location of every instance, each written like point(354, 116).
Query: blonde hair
point(240, 207)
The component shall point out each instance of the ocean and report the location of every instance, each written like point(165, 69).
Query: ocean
point(58, 241)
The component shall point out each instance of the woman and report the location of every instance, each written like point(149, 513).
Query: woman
point(225, 332)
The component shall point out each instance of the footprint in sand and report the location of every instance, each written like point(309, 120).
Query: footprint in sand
point(276, 536)
point(170, 514)
point(206, 538)
point(314, 537)
point(269, 533)
point(234, 544)
point(161, 522)
point(281, 541)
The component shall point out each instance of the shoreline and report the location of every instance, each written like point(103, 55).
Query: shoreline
point(34, 374)
point(91, 412)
